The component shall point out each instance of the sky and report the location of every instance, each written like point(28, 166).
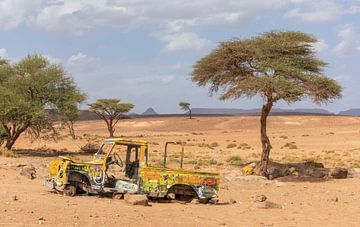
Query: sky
point(142, 51)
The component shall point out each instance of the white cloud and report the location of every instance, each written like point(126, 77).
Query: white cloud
point(320, 11)
point(81, 15)
point(3, 53)
point(15, 12)
point(350, 41)
point(183, 41)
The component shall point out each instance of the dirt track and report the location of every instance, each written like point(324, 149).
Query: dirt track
point(332, 140)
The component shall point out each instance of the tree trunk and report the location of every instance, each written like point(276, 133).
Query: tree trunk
point(13, 135)
point(11, 139)
point(71, 129)
point(266, 146)
point(111, 131)
point(190, 113)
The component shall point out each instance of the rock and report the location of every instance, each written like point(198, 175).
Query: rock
point(3, 163)
point(41, 220)
point(28, 172)
point(268, 205)
point(20, 165)
point(354, 173)
point(339, 173)
point(232, 201)
point(136, 199)
point(260, 198)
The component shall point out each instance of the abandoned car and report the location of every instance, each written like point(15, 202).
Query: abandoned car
point(135, 176)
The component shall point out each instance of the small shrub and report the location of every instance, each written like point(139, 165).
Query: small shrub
point(283, 137)
point(197, 133)
point(214, 144)
point(291, 146)
point(305, 135)
point(191, 162)
point(212, 162)
point(244, 146)
point(231, 145)
point(235, 160)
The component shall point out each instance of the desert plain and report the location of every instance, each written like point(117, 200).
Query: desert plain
point(219, 144)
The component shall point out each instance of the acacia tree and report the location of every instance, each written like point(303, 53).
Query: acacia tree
point(274, 65)
point(69, 110)
point(185, 106)
point(111, 111)
point(69, 115)
point(27, 89)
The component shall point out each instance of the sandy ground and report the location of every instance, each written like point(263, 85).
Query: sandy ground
point(211, 141)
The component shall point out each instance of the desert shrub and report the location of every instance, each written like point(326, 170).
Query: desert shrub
point(214, 144)
point(283, 137)
point(212, 162)
point(231, 145)
point(291, 146)
point(191, 162)
point(196, 167)
point(203, 145)
point(90, 148)
point(235, 160)
point(244, 146)
point(197, 133)
point(305, 135)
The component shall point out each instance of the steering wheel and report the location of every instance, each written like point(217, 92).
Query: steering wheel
point(117, 160)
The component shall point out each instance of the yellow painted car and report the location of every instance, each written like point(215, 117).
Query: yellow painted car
point(137, 175)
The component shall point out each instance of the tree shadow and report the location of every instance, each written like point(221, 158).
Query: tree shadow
point(48, 153)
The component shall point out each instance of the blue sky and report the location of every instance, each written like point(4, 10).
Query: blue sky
point(142, 51)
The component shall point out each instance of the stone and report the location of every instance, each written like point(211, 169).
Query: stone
point(28, 172)
point(232, 201)
point(354, 173)
point(339, 173)
point(260, 198)
point(136, 199)
point(268, 205)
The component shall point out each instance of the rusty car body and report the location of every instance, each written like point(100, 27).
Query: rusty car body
point(138, 176)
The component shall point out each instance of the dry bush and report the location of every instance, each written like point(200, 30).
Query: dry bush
point(235, 160)
point(90, 148)
point(291, 146)
point(231, 145)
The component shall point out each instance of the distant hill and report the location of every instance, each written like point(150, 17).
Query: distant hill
point(350, 112)
point(226, 111)
point(149, 111)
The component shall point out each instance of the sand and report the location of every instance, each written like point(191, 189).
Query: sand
point(334, 141)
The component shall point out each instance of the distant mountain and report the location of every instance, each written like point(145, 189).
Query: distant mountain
point(350, 112)
point(149, 111)
point(226, 111)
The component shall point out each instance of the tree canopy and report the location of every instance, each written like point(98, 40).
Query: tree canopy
point(276, 65)
point(27, 89)
point(185, 106)
point(111, 111)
